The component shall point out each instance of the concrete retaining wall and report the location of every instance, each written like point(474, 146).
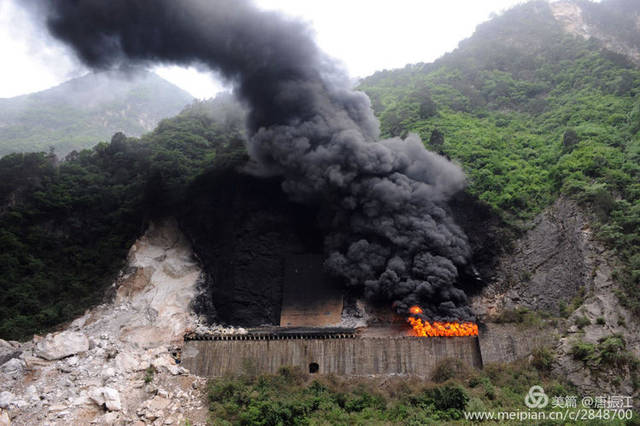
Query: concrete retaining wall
point(348, 357)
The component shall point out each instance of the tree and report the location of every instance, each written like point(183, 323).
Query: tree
point(427, 107)
point(436, 139)
point(570, 140)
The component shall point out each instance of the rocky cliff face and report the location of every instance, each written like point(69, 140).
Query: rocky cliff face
point(119, 363)
point(563, 276)
point(572, 16)
point(548, 266)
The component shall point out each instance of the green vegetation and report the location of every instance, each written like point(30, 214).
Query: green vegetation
point(149, 373)
point(531, 112)
point(65, 228)
point(582, 321)
point(79, 113)
point(524, 317)
point(609, 354)
point(290, 397)
point(542, 359)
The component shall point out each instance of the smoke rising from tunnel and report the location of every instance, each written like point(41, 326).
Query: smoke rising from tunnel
point(389, 229)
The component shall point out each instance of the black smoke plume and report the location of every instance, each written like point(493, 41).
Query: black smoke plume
point(388, 225)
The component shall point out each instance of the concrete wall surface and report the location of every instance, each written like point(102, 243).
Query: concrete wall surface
point(350, 357)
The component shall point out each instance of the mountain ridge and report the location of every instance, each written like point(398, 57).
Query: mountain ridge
point(81, 112)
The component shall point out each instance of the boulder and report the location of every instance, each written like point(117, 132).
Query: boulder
point(108, 397)
point(126, 363)
point(14, 365)
point(61, 345)
point(4, 418)
point(6, 398)
point(8, 351)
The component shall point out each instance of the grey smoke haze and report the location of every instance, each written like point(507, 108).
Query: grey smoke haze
point(388, 226)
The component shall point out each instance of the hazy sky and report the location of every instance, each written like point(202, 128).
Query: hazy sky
point(366, 35)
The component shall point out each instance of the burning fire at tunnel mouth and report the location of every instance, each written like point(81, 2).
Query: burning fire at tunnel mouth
point(421, 327)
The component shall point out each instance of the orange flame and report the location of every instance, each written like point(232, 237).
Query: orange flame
point(415, 310)
point(437, 328)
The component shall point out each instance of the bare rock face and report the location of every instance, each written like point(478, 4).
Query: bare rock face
point(160, 288)
point(62, 345)
point(6, 398)
point(14, 365)
point(548, 266)
point(244, 253)
point(559, 270)
point(571, 16)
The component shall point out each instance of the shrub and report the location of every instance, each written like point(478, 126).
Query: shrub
point(476, 405)
point(582, 321)
point(364, 400)
point(448, 397)
point(149, 374)
point(569, 140)
point(582, 351)
point(610, 352)
point(542, 359)
point(450, 368)
point(521, 315)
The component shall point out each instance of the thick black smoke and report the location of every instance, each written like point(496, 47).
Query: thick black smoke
point(389, 229)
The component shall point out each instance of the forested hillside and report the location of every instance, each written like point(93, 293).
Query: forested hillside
point(65, 228)
point(531, 112)
point(82, 112)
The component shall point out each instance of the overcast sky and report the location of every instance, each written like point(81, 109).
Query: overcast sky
point(366, 35)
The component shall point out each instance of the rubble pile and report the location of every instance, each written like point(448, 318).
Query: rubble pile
point(120, 362)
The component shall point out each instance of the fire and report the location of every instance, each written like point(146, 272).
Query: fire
point(431, 329)
point(415, 310)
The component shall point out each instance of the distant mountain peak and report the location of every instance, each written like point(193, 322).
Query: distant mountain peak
point(86, 110)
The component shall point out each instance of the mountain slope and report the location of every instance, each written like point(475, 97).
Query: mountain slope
point(529, 110)
point(546, 124)
point(532, 112)
point(86, 110)
point(65, 228)
point(615, 23)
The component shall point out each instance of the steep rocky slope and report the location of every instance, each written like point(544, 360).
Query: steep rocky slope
point(556, 289)
point(575, 18)
point(119, 362)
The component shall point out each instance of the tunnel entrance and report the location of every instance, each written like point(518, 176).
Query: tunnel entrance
point(313, 368)
point(250, 238)
point(309, 297)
